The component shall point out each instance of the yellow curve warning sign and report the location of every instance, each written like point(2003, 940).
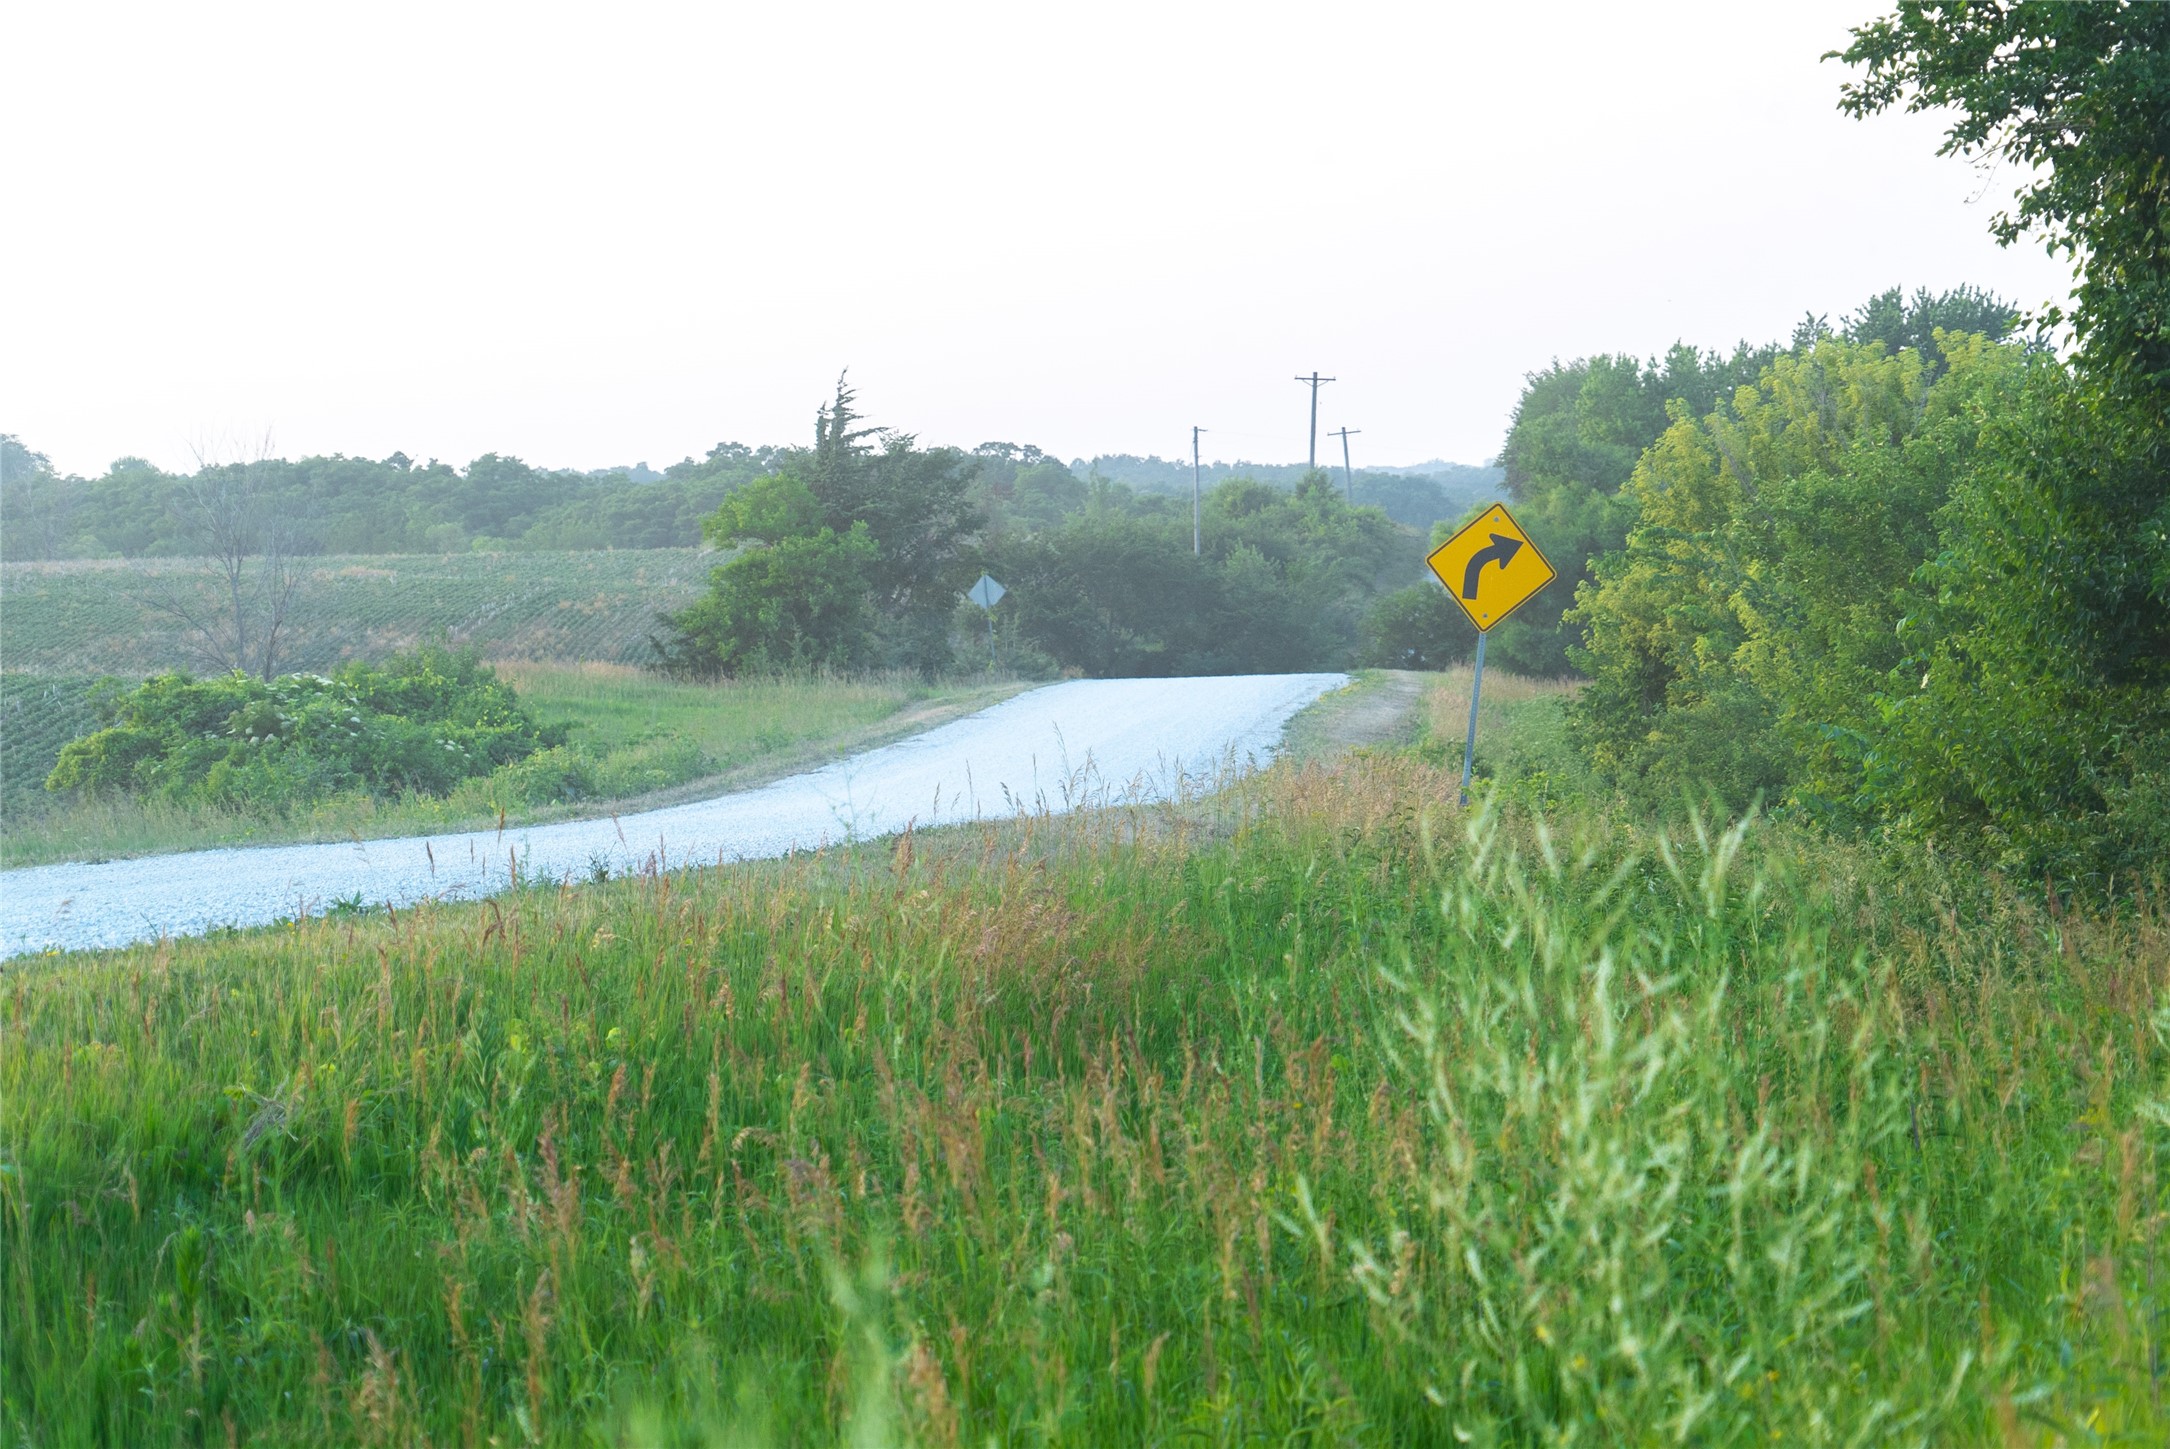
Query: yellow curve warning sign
point(1491, 567)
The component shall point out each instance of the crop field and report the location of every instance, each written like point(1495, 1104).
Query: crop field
point(37, 716)
point(1319, 1112)
point(97, 617)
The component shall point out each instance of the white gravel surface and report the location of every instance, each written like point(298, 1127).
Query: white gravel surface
point(1054, 748)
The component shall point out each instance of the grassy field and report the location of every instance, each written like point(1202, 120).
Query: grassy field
point(649, 741)
point(756, 723)
point(1319, 1112)
point(93, 617)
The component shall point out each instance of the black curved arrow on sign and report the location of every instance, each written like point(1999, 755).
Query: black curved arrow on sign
point(1503, 549)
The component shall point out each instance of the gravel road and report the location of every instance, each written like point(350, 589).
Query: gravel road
point(1053, 748)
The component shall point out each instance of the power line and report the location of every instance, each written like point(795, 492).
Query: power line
point(1316, 382)
point(1348, 479)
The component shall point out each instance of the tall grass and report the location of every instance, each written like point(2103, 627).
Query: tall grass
point(1522, 744)
point(1314, 1114)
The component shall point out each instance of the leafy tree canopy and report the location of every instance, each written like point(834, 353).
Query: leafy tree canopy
point(850, 552)
point(1581, 427)
point(2076, 97)
point(1284, 581)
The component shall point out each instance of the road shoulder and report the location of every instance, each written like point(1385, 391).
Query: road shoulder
point(1377, 707)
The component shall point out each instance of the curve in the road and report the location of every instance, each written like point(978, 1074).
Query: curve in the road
point(1054, 748)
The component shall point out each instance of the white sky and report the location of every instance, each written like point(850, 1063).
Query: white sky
point(596, 235)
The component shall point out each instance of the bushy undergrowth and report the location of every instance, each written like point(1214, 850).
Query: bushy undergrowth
point(418, 723)
point(1320, 1115)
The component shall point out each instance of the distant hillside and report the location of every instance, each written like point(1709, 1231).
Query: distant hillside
point(359, 506)
point(1416, 496)
point(1443, 468)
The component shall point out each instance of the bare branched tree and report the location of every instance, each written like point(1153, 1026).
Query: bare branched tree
point(230, 511)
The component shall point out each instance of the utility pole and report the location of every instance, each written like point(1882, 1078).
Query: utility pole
point(1197, 534)
point(1348, 479)
point(1315, 382)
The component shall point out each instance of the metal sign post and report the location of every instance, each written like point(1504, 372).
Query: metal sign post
point(987, 593)
point(1476, 687)
point(1491, 568)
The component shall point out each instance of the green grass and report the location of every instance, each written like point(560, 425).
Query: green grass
point(91, 617)
point(1315, 1113)
point(1522, 745)
point(649, 741)
point(750, 722)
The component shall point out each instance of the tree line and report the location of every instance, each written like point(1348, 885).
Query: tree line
point(855, 552)
point(1419, 496)
point(342, 505)
point(1911, 575)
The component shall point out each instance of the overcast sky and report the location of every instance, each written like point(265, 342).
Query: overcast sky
point(613, 233)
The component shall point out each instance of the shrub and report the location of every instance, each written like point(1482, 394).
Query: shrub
point(418, 723)
point(800, 602)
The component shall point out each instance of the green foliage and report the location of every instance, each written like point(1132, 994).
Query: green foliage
point(799, 602)
point(914, 502)
point(1900, 322)
point(2038, 732)
point(766, 511)
point(1283, 582)
point(1937, 603)
point(1936, 606)
point(1737, 639)
point(566, 774)
point(418, 723)
point(1339, 1120)
point(853, 555)
point(1581, 428)
point(1576, 434)
point(1038, 497)
point(2076, 99)
point(1419, 627)
point(1105, 593)
point(850, 553)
